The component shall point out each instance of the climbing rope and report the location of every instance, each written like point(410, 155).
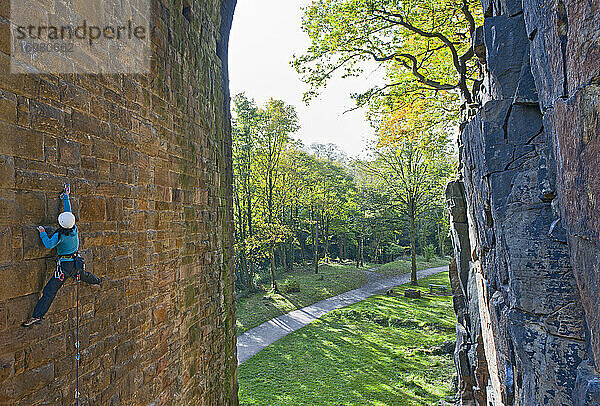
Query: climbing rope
point(77, 355)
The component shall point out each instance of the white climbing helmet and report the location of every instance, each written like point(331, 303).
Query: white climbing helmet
point(66, 219)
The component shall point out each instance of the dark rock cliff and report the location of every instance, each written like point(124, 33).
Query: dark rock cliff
point(526, 211)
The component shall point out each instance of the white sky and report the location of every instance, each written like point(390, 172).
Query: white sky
point(264, 37)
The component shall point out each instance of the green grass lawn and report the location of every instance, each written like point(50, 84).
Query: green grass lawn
point(377, 352)
point(332, 280)
point(403, 265)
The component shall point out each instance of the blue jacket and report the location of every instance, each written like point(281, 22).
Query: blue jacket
point(68, 244)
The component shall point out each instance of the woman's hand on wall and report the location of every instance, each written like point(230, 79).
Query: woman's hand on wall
point(41, 229)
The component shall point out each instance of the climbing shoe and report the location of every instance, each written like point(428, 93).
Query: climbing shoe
point(32, 321)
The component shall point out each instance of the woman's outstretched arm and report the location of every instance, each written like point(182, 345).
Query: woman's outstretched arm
point(48, 242)
point(66, 202)
point(65, 197)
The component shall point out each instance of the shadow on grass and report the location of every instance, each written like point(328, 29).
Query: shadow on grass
point(344, 359)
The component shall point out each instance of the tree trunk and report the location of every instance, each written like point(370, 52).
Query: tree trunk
point(290, 247)
point(361, 250)
point(292, 255)
point(413, 255)
point(316, 246)
point(283, 258)
point(376, 251)
point(326, 253)
point(244, 269)
point(274, 282)
point(303, 249)
point(440, 239)
point(250, 233)
point(251, 276)
point(358, 237)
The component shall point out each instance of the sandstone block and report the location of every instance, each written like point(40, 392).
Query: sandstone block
point(3, 317)
point(68, 153)
point(38, 181)
point(34, 379)
point(201, 196)
point(22, 280)
point(33, 248)
point(46, 118)
point(6, 249)
point(7, 366)
point(8, 211)
point(93, 208)
point(8, 105)
point(49, 90)
point(31, 207)
point(18, 141)
point(7, 172)
point(88, 163)
point(45, 351)
point(124, 351)
point(86, 124)
point(74, 96)
point(114, 209)
point(159, 315)
point(105, 150)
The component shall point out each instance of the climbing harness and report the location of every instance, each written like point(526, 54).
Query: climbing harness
point(59, 274)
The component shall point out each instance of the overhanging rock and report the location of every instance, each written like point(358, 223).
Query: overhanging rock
point(526, 227)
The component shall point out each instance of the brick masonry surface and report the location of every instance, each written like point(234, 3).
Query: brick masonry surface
point(148, 160)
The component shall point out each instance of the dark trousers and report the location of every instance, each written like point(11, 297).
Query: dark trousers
point(54, 284)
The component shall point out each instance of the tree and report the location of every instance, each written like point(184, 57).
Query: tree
point(332, 189)
point(328, 151)
point(291, 204)
point(414, 165)
point(244, 129)
point(275, 124)
point(260, 136)
point(296, 175)
point(425, 44)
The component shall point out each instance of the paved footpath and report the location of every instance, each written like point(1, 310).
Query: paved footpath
point(254, 340)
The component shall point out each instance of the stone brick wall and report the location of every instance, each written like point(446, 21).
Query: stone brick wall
point(148, 158)
point(525, 214)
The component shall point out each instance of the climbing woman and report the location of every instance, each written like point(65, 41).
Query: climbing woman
point(69, 264)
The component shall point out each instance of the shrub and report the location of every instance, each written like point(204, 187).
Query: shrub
point(429, 252)
point(291, 286)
